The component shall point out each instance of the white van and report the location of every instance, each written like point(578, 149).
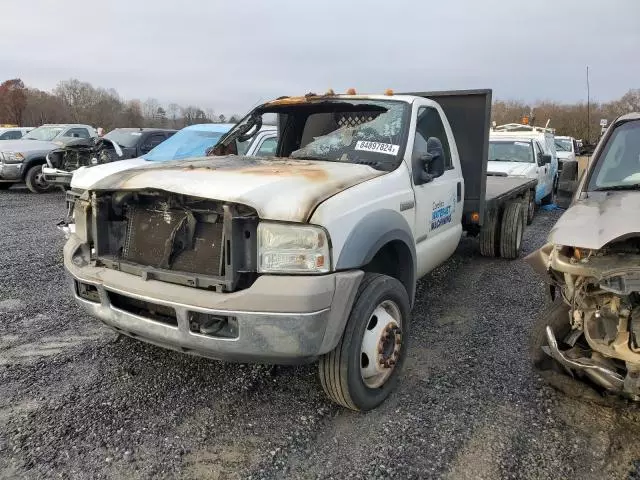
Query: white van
point(517, 150)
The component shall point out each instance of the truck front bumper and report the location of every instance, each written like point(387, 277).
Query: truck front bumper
point(280, 319)
point(55, 176)
point(10, 172)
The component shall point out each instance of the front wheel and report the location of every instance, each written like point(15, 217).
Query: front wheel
point(35, 180)
point(555, 315)
point(363, 369)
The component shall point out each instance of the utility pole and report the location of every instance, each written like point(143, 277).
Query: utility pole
point(588, 109)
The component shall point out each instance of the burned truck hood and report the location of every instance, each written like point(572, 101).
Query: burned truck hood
point(278, 189)
point(597, 220)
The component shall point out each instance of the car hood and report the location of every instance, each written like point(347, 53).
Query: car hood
point(597, 220)
point(85, 177)
point(26, 146)
point(564, 155)
point(512, 169)
point(278, 189)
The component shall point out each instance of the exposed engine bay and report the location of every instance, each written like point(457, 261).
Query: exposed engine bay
point(84, 153)
point(171, 237)
point(602, 290)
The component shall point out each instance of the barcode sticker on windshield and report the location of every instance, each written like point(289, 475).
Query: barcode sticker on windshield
point(377, 147)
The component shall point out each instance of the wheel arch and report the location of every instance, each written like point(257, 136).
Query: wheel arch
point(382, 242)
point(32, 162)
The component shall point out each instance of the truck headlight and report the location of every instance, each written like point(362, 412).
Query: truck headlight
point(287, 248)
point(13, 157)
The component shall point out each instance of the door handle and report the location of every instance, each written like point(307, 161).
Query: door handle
point(459, 191)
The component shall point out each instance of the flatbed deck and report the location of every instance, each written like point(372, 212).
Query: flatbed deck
point(500, 188)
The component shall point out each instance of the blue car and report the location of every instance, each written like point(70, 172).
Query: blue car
point(190, 142)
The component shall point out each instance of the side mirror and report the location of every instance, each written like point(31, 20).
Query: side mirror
point(545, 159)
point(567, 183)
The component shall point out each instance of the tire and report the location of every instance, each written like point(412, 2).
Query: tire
point(5, 186)
point(511, 230)
point(341, 371)
point(34, 180)
point(490, 236)
point(555, 315)
point(531, 208)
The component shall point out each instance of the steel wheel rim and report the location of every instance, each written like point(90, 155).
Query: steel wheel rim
point(381, 344)
point(39, 180)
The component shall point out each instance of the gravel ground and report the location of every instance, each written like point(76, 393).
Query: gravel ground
point(75, 402)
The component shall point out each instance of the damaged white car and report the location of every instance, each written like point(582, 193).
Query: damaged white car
point(591, 330)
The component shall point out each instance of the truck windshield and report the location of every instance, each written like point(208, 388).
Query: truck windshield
point(184, 144)
point(124, 138)
point(43, 133)
point(618, 165)
point(563, 145)
point(366, 132)
point(510, 151)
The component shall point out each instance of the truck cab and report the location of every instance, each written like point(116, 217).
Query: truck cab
point(519, 155)
point(309, 254)
point(543, 144)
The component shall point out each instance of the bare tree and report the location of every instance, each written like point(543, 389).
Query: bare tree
point(150, 108)
point(13, 100)
point(174, 109)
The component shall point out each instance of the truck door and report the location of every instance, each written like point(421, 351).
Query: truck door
point(544, 173)
point(439, 201)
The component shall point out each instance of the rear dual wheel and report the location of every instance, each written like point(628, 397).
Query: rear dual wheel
point(501, 235)
point(363, 369)
point(511, 231)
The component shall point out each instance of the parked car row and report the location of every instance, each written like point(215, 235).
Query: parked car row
point(48, 156)
point(517, 150)
point(13, 132)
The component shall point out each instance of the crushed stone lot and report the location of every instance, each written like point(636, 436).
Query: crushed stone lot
point(77, 402)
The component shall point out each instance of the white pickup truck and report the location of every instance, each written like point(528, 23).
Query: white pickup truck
point(312, 254)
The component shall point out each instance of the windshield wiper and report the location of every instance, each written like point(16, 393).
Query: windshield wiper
point(630, 186)
point(309, 158)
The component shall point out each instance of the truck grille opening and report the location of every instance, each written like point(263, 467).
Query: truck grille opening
point(172, 238)
point(175, 238)
point(152, 311)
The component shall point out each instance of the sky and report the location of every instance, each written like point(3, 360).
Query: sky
point(231, 55)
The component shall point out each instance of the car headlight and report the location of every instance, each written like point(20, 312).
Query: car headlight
point(12, 157)
point(287, 248)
